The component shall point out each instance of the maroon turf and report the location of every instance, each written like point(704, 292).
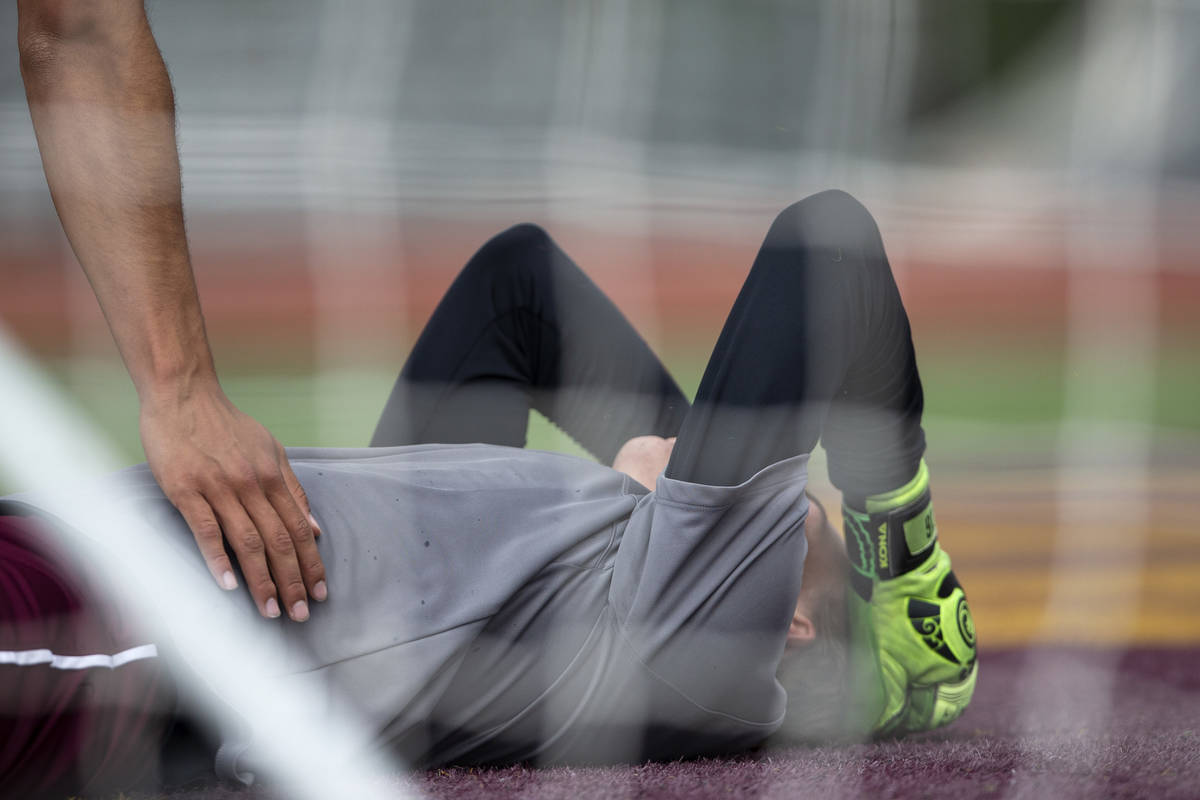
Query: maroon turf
point(1063, 723)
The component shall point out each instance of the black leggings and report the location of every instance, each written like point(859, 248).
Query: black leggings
point(817, 345)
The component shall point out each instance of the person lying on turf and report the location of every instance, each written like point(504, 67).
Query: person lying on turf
point(500, 605)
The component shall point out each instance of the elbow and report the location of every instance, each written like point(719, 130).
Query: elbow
point(47, 29)
point(40, 21)
point(39, 53)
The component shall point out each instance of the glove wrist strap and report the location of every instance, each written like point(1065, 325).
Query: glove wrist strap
point(891, 542)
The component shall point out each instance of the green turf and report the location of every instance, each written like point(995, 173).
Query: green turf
point(1036, 385)
point(999, 386)
point(1177, 401)
point(991, 390)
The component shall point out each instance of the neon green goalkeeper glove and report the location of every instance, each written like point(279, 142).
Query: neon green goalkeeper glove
point(909, 613)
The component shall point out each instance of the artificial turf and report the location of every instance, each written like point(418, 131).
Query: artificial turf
point(997, 388)
point(1062, 722)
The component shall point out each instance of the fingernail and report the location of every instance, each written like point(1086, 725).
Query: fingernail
point(228, 581)
point(300, 611)
point(272, 608)
point(320, 591)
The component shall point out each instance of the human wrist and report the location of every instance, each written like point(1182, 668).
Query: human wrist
point(894, 533)
point(174, 361)
point(173, 383)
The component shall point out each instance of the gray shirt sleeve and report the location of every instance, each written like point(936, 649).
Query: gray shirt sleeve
point(705, 584)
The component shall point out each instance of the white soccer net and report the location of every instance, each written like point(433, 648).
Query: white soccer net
point(341, 159)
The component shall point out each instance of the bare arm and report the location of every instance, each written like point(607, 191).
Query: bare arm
point(644, 458)
point(104, 114)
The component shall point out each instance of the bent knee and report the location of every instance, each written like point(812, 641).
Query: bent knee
point(519, 245)
point(510, 259)
point(832, 218)
point(835, 202)
point(518, 241)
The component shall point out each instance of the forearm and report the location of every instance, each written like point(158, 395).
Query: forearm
point(104, 115)
point(103, 112)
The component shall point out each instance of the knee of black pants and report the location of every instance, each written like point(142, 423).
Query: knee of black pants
point(514, 266)
point(831, 223)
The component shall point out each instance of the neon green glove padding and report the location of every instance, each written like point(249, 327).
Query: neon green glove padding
point(912, 634)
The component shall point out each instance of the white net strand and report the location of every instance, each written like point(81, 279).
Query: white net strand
point(1106, 435)
point(351, 190)
point(312, 752)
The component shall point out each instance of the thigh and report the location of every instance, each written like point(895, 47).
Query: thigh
point(817, 307)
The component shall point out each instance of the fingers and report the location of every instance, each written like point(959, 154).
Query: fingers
point(301, 543)
point(298, 493)
point(248, 545)
point(281, 556)
point(207, 532)
point(269, 534)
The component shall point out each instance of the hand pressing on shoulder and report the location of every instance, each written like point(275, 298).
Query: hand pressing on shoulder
point(644, 458)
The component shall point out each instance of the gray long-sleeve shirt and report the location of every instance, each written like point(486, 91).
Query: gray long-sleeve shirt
point(490, 604)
